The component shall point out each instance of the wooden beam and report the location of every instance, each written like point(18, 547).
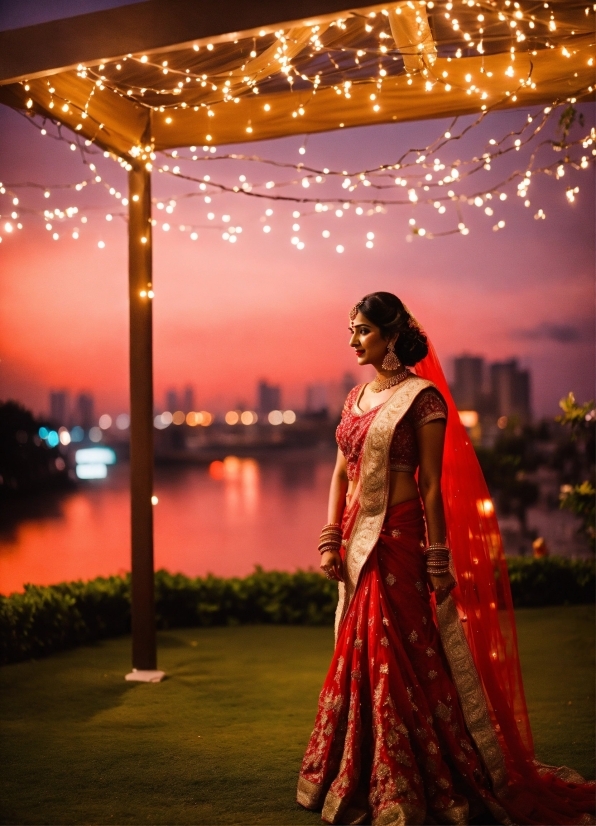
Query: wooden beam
point(402, 99)
point(144, 655)
point(112, 121)
point(33, 51)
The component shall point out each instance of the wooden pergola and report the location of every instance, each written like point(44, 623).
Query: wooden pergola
point(171, 73)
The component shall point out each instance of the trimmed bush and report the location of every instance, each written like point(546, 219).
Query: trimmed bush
point(551, 581)
point(46, 619)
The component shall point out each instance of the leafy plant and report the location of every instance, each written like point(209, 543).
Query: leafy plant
point(579, 496)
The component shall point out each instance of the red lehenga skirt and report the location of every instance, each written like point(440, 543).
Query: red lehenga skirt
point(390, 745)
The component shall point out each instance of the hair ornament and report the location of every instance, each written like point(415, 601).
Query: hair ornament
point(412, 322)
point(355, 308)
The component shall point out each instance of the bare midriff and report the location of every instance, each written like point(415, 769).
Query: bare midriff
point(402, 487)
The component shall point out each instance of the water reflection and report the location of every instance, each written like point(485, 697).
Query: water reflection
point(223, 519)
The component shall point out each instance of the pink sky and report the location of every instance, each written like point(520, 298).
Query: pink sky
point(227, 315)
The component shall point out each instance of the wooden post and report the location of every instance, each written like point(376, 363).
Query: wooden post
point(144, 653)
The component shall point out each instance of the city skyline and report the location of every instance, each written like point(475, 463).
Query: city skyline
point(491, 389)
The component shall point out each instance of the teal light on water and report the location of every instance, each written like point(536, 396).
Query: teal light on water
point(92, 470)
point(77, 434)
point(93, 455)
point(53, 438)
point(43, 432)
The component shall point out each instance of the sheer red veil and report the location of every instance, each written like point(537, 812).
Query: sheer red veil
point(537, 793)
point(483, 595)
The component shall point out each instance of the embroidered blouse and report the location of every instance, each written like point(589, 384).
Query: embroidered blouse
point(353, 426)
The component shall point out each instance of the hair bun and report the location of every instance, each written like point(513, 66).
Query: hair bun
point(389, 313)
point(411, 345)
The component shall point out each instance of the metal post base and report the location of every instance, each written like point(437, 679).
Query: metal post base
point(139, 676)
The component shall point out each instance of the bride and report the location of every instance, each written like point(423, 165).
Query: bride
point(422, 717)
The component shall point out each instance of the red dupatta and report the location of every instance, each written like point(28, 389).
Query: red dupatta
point(483, 596)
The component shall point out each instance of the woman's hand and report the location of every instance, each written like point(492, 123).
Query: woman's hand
point(442, 586)
point(332, 566)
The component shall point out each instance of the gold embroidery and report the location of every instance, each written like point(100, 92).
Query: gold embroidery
point(331, 808)
point(384, 669)
point(564, 773)
point(432, 748)
point(383, 769)
point(390, 579)
point(385, 642)
point(374, 487)
point(413, 636)
point(442, 712)
point(396, 533)
point(457, 812)
point(432, 675)
point(400, 814)
point(403, 758)
point(424, 620)
point(309, 794)
point(357, 643)
point(420, 586)
point(385, 621)
point(430, 651)
point(356, 674)
point(470, 693)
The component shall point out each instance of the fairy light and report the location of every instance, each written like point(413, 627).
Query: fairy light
point(169, 85)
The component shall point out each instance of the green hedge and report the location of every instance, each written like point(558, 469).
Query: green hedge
point(46, 619)
point(551, 581)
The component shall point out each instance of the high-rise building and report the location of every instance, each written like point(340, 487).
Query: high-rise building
point(317, 398)
point(511, 390)
point(58, 407)
point(83, 413)
point(171, 401)
point(268, 397)
point(468, 382)
point(188, 399)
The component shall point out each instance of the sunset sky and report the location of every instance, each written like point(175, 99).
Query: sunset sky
point(226, 315)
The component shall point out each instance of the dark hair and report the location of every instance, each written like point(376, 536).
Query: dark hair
point(387, 312)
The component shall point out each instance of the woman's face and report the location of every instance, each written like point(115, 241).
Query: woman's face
point(367, 341)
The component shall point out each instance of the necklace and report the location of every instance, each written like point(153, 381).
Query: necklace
point(381, 383)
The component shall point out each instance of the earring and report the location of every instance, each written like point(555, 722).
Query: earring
point(391, 361)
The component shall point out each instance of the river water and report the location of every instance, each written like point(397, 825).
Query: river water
point(222, 519)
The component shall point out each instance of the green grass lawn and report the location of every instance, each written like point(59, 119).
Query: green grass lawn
point(220, 741)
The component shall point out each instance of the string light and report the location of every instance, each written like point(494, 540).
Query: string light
point(411, 164)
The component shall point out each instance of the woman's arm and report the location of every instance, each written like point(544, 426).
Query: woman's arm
point(331, 560)
point(431, 439)
point(338, 489)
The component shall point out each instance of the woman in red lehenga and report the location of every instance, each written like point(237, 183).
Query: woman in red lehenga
point(422, 717)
